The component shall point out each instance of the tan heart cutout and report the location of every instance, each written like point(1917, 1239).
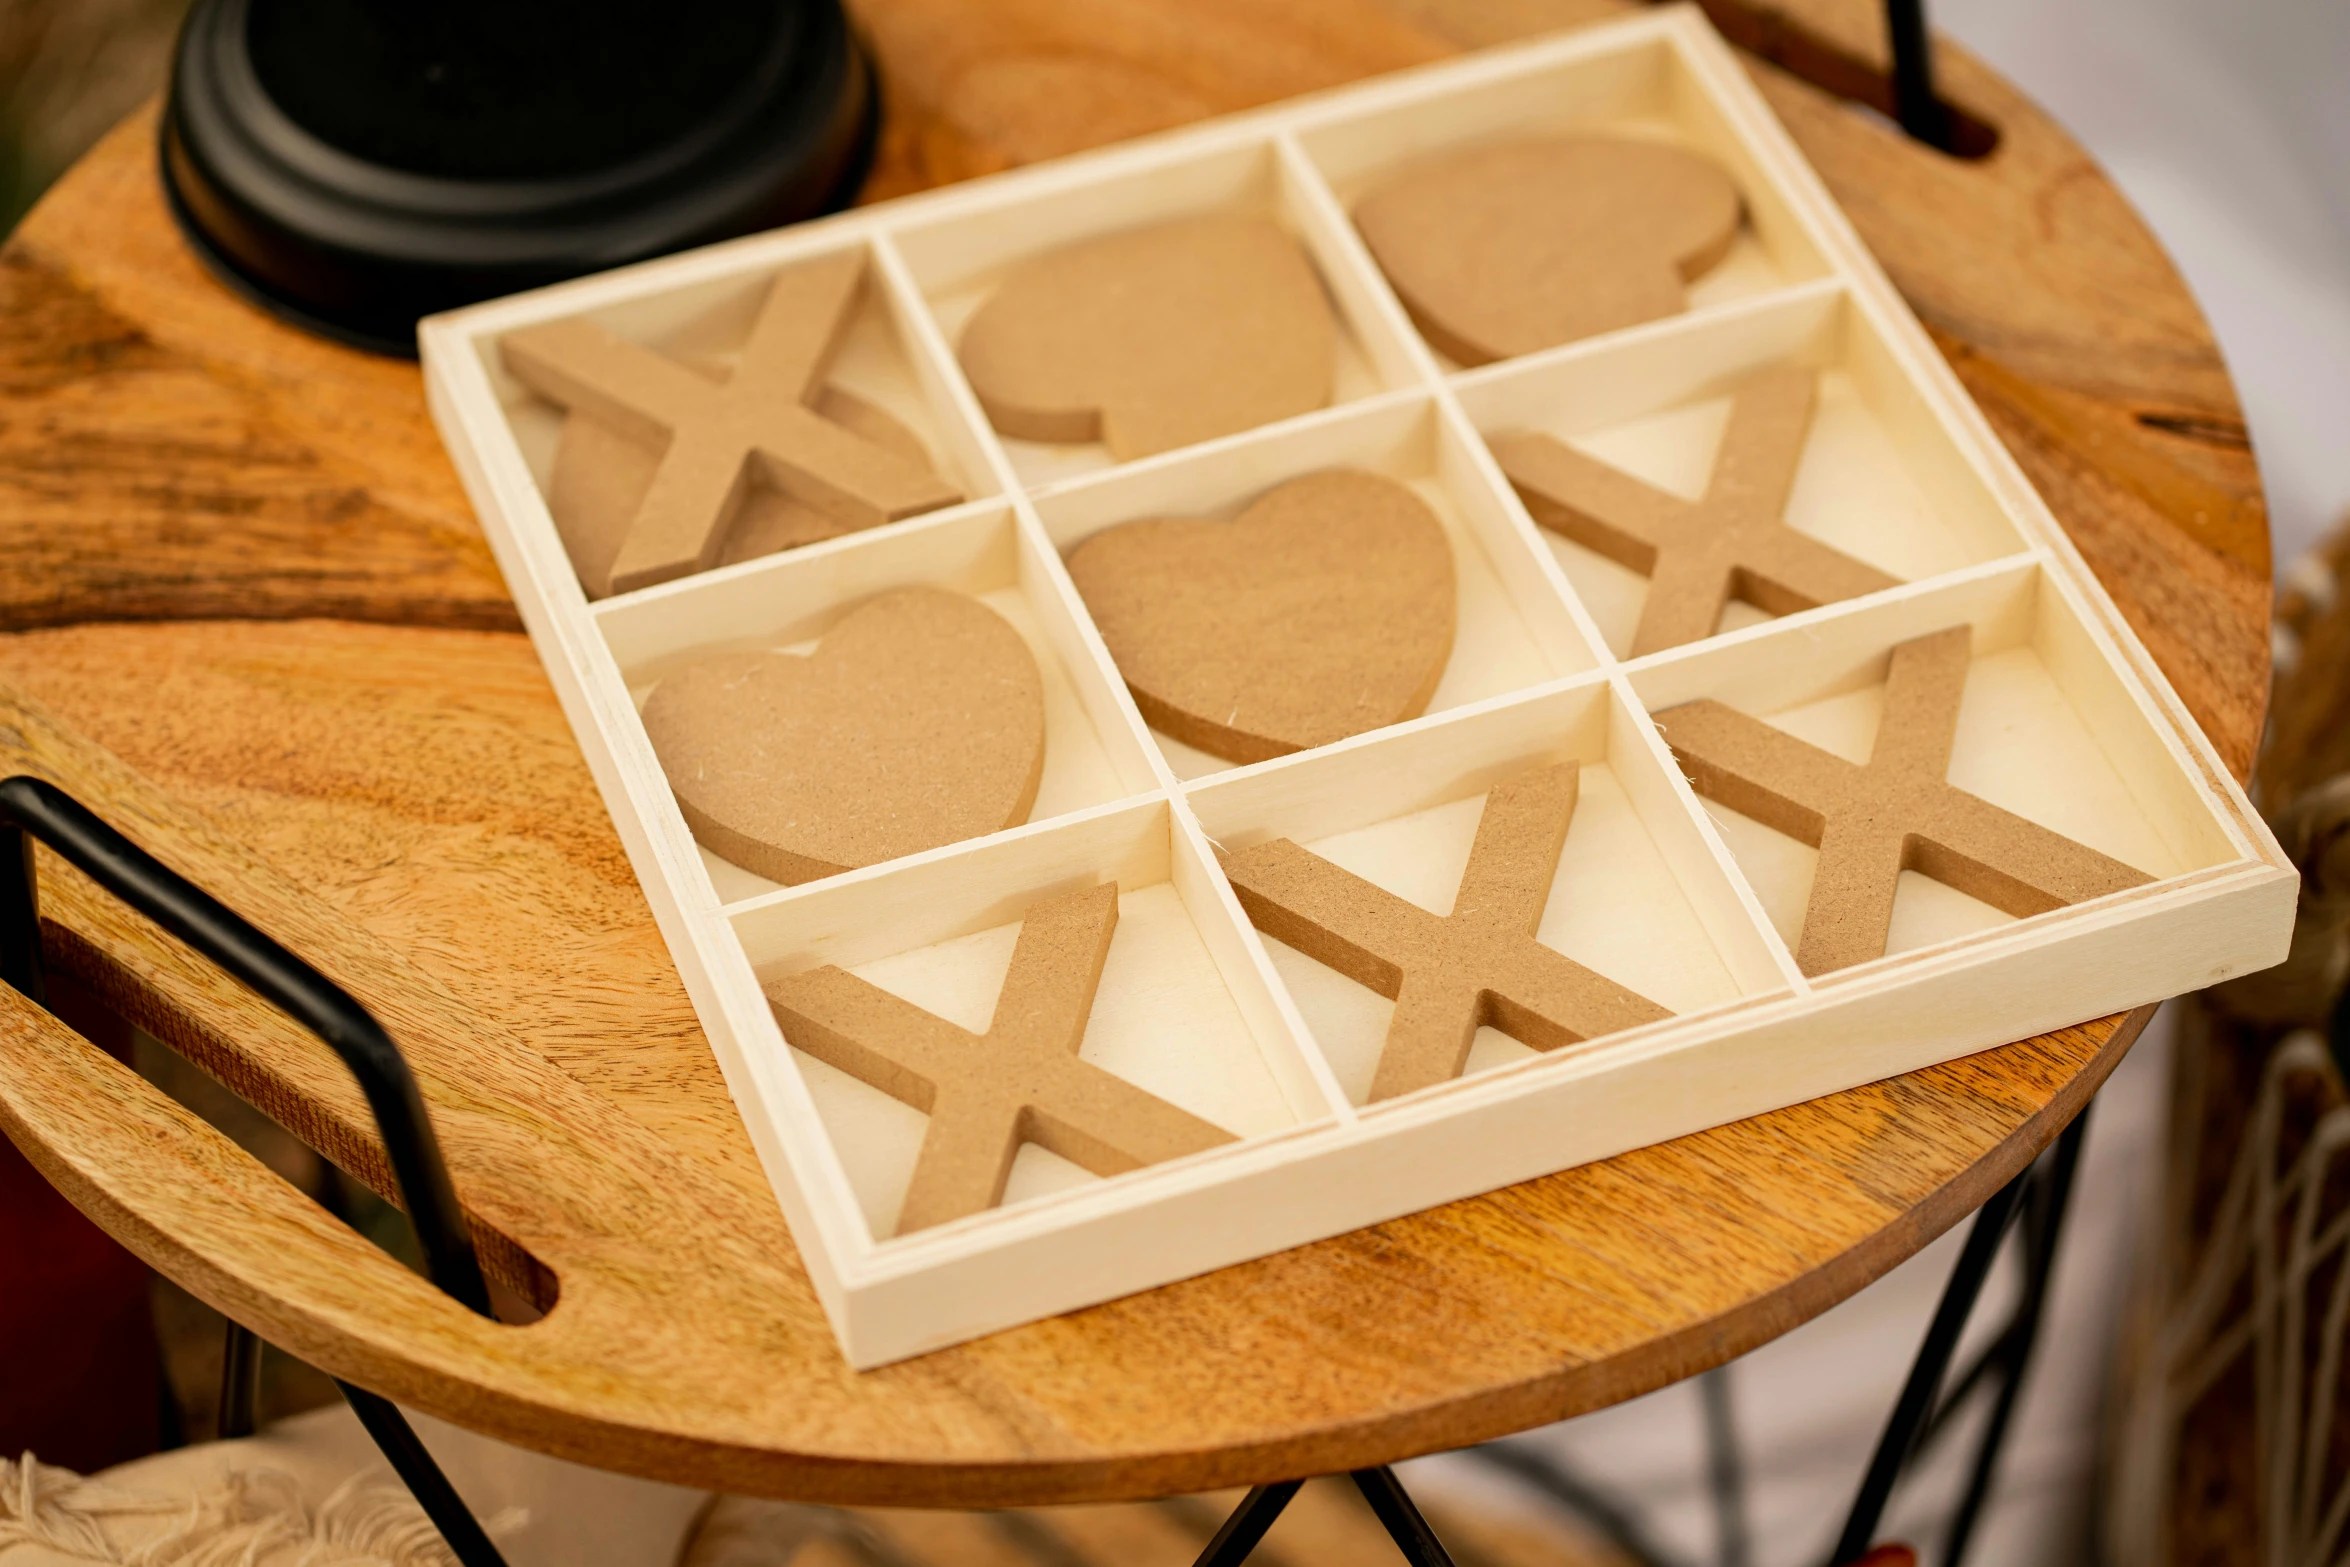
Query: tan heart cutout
point(917, 721)
point(1323, 610)
point(1510, 247)
point(1154, 338)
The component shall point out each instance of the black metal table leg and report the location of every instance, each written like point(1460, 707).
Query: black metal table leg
point(240, 1381)
point(415, 1466)
point(2043, 1222)
point(1586, 1498)
point(1725, 1474)
point(1247, 1525)
point(1405, 1526)
point(2041, 1193)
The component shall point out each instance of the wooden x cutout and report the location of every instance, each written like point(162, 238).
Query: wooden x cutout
point(1449, 974)
point(712, 433)
point(1021, 1081)
point(1896, 812)
point(1698, 555)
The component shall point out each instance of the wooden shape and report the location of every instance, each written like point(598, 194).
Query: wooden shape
point(602, 475)
point(1021, 1081)
point(1451, 974)
point(1324, 609)
point(1155, 337)
point(1896, 812)
point(1698, 555)
point(1508, 247)
point(918, 721)
point(711, 435)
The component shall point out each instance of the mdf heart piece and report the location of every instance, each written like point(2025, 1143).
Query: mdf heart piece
point(1508, 247)
point(1323, 610)
point(1154, 338)
point(917, 721)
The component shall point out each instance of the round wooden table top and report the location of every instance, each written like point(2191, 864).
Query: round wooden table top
point(249, 617)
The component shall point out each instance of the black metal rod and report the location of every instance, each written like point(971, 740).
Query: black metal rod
point(2051, 1195)
point(1585, 1498)
point(1405, 1526)
point(1991, 1363)
point(293, 986)
point(2338, 1033)
point(20, 915)
point(240, 1381)
point(1914, 102)
point(1919, 1395)
point(415, 1466)
point(1725, 1474)
point(1247, 1525)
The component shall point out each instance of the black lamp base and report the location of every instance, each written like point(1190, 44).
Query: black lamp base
point(351, 165)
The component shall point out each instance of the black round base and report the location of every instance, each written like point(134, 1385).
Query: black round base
point(352, 165)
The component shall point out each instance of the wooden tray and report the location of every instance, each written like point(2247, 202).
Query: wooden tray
point(2066, 719)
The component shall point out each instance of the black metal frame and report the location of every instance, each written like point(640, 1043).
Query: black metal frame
point(1389, 1501)
point(32, 808)
point(2038, 1198)
point(1915, 103)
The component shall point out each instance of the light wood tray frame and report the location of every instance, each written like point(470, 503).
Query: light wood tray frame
point(2066, 717)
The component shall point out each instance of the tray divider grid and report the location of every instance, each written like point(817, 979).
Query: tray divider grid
point(1236, 923)
point(934, 359)
point(1398, 352)
point(1645, 730)
point(1055, 576)
point(1727, 315)
point(1487, 475)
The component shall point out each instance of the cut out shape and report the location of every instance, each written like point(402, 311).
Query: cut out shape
point(1506, 248)
point(917, 721)
point(1698, 555)
point(1896, 812)
point(1324, 609)
point(712, 435)
point(1154, 338)
point(601, 477)
point(1451, 974)
point(1021, 1081)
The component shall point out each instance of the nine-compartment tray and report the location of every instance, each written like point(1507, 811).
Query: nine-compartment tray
point(2064, 720)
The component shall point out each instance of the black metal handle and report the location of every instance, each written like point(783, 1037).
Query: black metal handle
point(31, 806)
point(1914, 102)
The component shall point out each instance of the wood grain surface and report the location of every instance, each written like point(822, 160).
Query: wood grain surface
point(245, 611)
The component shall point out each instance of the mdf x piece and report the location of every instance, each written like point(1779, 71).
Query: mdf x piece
point(1021, 1081)
point(1449, 974)
point(1896, 812)
point(1698, 555)
point(714, 435)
